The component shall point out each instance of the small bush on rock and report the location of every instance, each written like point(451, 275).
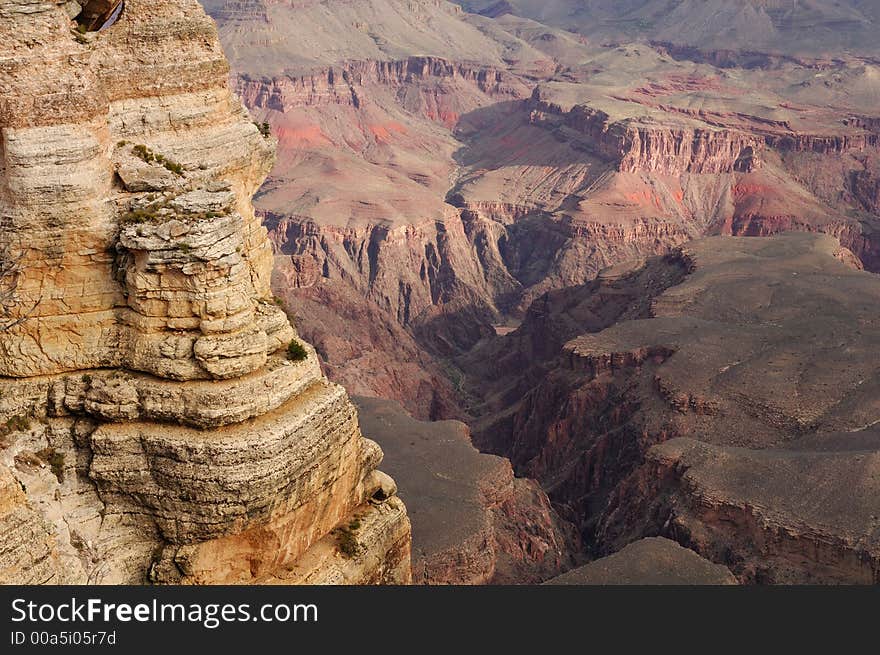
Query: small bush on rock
point(296, 352)
point(347, 542)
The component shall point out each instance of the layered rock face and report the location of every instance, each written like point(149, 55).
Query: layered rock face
point(724, 397)
point(162, 421)
point(392, 241)
point(432, 185)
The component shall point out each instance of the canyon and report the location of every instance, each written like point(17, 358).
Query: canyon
point(452, 206)
point(426, 196)
point(648, 404)
point(599, 278)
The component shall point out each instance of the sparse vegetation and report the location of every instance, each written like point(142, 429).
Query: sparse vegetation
point(138, 216)
point(296, 352)
point(347, 542)
point(265, 129)
point(19, 423)
point(155, 207)
point(146, 213)
point(55, 460)
point(174, 167)
point(143, 153)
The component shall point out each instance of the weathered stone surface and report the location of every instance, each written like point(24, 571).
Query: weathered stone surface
point(381, 529)
point(29, 555)
point(650, 561)
point(153, 427)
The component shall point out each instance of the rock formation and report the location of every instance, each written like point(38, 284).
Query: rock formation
point(162, 421)
point(435, 191)
point(649, 561)
point(724, 397)
point(473, 521)
point(430, 186)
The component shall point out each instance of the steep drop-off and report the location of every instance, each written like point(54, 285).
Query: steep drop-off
point(161, 420)
point(724, 397)
point(473, 521)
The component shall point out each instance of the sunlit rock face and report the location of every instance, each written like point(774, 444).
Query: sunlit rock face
point(156, 428)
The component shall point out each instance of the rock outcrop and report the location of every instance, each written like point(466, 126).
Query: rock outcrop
point(162, 421)
point(649, 561)
point(473, 521)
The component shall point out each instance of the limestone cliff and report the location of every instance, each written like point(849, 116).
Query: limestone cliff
point(161, 420)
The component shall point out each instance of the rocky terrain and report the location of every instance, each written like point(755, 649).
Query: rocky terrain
point(649, 561)
point(447, 173)
point(473, 522)
point(529, 217)
point(724, 396)
point(432, 183)
point(161, 419)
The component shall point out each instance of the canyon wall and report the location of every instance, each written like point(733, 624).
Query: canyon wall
point(473, 521)
point(665, 417)
point(162, 420)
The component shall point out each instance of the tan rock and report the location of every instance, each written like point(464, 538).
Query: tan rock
point(153, 426)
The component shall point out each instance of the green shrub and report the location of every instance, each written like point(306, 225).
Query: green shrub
point(15, 424)
point(174, 167)
point(265, 129)
point(145, 154)
point(55, 460)
point(296, 352)
point(347, 542)
point(138, 216)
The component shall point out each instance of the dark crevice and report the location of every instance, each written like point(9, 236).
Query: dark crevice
point(97, 15)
